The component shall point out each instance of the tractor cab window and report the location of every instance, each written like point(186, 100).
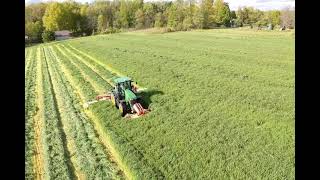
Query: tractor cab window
point(127, 85)
point(120, 87)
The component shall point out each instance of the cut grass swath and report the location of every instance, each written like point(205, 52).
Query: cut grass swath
point(55, 153)
point(39, 163)
point(30, 110)
point(93, 161)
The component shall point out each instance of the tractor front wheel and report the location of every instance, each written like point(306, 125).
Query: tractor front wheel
point(113, 100)
point(123, 109)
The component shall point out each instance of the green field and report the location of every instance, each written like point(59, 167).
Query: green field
point(222, 106)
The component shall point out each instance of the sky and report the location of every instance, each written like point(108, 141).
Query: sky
point(233, 4)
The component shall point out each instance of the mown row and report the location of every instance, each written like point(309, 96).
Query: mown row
point(90, 154)
point(30, 110)
point(71, 147)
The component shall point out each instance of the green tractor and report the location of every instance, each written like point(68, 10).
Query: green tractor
point(124, 97)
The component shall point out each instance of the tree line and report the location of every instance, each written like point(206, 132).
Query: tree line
point(105, 16)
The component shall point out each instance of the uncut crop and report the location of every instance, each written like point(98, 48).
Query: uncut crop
point(222, 104)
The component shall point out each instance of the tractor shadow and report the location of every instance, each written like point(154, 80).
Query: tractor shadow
point(145, 99)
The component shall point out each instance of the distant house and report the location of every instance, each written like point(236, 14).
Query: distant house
point(61, 35)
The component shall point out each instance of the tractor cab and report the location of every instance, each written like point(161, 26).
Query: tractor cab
point(121, 85)
point(123, 96)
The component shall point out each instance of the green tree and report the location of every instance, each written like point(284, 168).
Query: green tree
point(34, 31)
point(109, 13)
point(188, 23)
point(149, 14)
point(101, 16)
point(72, 15)
point(198, 18)
point(173, 20)
point(101, 23)
point(176, 15)
point(248, 16)
point(233, 15)
point(35, 12)
point(62, 16)
point(221, 13)
point(263, 20)
point(53, 18)
point(274, 17)
point(159, 20)
point(139, 16)
point(189, 14)
point(117, 21)
point(205, 14)
point(89, 18)
point(48, 36)
point(84, 20)
point(243, 16)
point(135, 6)
point(123, 14)
point(255, 15)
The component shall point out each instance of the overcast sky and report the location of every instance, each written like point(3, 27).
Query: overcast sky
point(234, 4)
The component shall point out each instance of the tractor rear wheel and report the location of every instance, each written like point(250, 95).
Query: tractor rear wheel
point(123, 109)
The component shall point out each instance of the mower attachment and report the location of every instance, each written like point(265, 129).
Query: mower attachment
point(102, 97)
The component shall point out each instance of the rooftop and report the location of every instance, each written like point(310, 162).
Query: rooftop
point(122, 79)
point(62, 33)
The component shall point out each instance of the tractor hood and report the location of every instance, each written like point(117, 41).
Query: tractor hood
point(129, 95)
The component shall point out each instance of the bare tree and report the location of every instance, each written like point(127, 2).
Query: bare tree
point(288, 17)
